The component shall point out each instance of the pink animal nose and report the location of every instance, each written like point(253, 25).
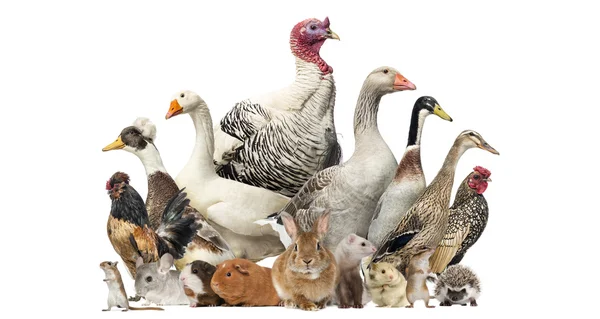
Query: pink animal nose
point(373, 249)
point(182, 278)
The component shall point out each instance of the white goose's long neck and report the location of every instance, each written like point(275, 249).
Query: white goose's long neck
point(204, 148)
point(151, 159)
point(365, 118)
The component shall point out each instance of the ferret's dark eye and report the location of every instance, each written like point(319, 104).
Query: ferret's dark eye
point(149, 279)
point(296, 247)
point(228, 274)
point(313, 27)
point(383, 271)
point(386, 71)
point(318, 246)
point(182, 95)
point(363, 244)
point(194, 271)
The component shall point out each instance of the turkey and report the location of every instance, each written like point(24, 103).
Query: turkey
point(279, 140)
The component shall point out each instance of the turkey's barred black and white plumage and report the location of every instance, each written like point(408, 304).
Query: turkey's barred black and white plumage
point(283, 138)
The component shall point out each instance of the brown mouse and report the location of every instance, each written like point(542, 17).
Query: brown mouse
point(241, 282)
point(416, 274)
point(196, 278)
point(116, 291)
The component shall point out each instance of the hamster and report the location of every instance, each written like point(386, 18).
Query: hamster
point(348, 255)
point(158, 283)
point(116, 291)
point(417, 272)
point(386, 285)
point(457, 285)
point(241, 282)
point(196, 278)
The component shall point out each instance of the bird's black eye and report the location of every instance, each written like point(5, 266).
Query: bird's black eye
point(149, 279)
point(472, 134)
point(386, 71)
point(318, 246)
point(476, 177)
point(194, 271)
point(228, 274)
point(313, 27)
point(182, 95)
point(296, 247)
point(363, 244)
point(383, 271)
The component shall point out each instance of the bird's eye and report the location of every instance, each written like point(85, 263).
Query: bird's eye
point(476, 177)
point(383, 271)
point(195, 271)
point(149, 279)
point(228, 274)
point(363, 244)
point(313, 27)
point(296, 247)
point(318, 246)
point(386, 71)
point(472, 134)
point(182, 95)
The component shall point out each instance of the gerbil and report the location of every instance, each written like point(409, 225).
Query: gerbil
point(386, 285)
point(196, 278)
point(417, 272)
point(240, 282)
point(116, 291)
point(457, 285)
point(348, 255)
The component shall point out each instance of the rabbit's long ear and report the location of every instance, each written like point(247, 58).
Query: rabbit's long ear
point(321, 225)
point(290, 225)
point(166, 261)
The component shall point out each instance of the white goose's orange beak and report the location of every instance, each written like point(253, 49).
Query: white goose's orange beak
point(174, 110)
point(402, 84)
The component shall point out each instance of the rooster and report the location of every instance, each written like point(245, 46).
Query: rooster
point(281, 139)
point(466, 221)
point(128, 226)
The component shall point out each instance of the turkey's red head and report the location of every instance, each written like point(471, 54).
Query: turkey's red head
point(478, 180)
point(306, 40)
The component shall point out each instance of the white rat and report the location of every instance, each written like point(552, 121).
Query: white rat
point(157, 283)
point(116, 291)
point(348, 255)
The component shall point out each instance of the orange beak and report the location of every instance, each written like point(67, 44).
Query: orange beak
point(401, 83)
point(174, 109)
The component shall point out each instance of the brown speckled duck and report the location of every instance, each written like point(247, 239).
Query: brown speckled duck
point(425, 223)
point(208, 244)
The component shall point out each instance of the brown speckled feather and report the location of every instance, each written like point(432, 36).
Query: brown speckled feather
point(161, 188)
point(410, 167)
point(119, 233)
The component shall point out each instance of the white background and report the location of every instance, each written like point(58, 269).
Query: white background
point(524, 75)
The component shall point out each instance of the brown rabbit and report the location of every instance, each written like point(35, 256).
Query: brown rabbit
point(306, 274)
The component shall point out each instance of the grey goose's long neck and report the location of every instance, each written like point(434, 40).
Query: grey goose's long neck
point(365, 115)
point(442, 183)
point(204, 147)
point(417, 120)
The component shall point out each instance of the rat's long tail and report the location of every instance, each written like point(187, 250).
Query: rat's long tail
point(146, 308)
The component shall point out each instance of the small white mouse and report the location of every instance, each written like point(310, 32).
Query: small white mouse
point(348, 255)
point(116, 291)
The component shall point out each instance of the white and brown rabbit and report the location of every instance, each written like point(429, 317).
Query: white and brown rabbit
point(306, 274)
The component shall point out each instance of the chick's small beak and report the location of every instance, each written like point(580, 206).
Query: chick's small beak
point(401, 83)
point(116, 145)
point(488, 179)
point(488, 147)
point(437, 110)
point(174, 110)
point(331, 34)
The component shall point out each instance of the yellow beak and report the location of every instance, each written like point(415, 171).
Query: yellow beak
point(116, 145)
point(332, 35)
point(437, 110)
point(174, 109)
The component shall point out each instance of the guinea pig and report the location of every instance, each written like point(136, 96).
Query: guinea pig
point(241, 282)
point(196, 278)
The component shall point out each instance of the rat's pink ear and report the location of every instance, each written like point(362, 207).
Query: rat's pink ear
point(351, 238)
point(139, 261)
point(242, 270)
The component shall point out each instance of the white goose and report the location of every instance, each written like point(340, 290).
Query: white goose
point(228, 203)
point(351, 190)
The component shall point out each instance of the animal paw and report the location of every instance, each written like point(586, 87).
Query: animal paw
point(359, 306)
point(473, 303)
point(428, 306)
point(289, 304)
point(193, 305)
point(343, 306)
point(409, 306)
point(309, 306)
point(445, 304)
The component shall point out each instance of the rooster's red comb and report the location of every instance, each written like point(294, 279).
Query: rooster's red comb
point(108, 187)
point(483, 171)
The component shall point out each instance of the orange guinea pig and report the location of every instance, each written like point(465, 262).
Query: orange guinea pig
point(241, 282)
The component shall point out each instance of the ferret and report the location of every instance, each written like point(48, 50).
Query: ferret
point(348, 255)
point(416, 273)
point(457, 285)
point(386, 285)
point(196, 278)
point(116, 291)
